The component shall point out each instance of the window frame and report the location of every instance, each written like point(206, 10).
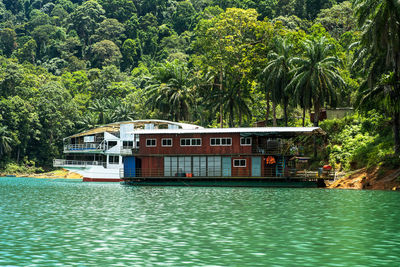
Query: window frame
point(166, 139)
point(246, 138)
point(239, 165)
point(113, 157)
point(218, 141)
point(127, 146)
point(191, 141)
point(151, 139)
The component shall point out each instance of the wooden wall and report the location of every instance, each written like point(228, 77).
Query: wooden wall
point(205, 148)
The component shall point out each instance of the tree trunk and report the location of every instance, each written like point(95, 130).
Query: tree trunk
point(268, 107)
point(316, 113)
point(231, 115)
point(315, 147)
point(285, 107)
point(316, 120)
point(221, 116)
point(18, 155)
point(240, 118)
point(396, 132)
point(274, 113)
point(304, 116)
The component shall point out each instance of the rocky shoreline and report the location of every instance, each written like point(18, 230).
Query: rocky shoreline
point(375, 178)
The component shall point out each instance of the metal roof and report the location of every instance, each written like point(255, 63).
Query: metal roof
point(111, 127)
point(249, 130)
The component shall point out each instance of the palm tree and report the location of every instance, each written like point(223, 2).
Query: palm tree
point(277, 74)
point(170, 90)
point(89, 121)
point(234, 102)
point(109, 109)
point(5, 140)
point(316, 77)
point(99, 106)
point(123, 112)
point(379, 57)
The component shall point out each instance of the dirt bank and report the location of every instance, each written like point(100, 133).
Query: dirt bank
point(374, 178)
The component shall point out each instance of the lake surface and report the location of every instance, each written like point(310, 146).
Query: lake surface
point(47, 222)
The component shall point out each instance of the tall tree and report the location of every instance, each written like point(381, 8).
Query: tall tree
point(316, 76)
point(121, 10)
point(170, 90)
point(225, 45)
point(105, 53)
point(277, 74)
point(7, 41)
point(86, 18)
point(5, 140)
point(379, 57)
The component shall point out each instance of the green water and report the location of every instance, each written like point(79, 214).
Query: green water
point(62, 222)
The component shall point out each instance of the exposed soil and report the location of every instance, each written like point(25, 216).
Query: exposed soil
point(374, 178)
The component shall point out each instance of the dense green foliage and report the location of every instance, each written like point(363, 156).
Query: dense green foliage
point(69, 65)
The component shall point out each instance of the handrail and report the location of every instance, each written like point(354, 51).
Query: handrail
point(88, 146)
point(273, 148)
point(215, 172)
point(64, 162)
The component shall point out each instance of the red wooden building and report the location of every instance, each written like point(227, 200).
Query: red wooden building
point(215, 152)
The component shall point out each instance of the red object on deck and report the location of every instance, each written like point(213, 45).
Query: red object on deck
point(327, 167)
point(87, 179)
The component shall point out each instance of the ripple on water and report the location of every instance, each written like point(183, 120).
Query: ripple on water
point(58, 222)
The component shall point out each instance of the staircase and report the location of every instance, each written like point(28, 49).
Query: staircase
point(280, 166)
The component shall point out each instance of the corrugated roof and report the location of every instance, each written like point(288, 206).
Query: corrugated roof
point(115, 126)
point(255, 130)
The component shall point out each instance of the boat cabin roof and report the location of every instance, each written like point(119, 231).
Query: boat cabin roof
point(138, 124)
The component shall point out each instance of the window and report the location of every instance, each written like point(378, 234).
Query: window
point(190, 141)
point(127, 144)
point(245, 141)
point(166, 142)
point(224, 141)
point(239, 163)
point(112, 144)
point(176, 166)
point(150, 142)
point(113, 159)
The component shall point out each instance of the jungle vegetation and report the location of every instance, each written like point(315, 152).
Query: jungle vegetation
point(70, 65)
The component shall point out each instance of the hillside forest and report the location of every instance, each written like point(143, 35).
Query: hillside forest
point(70, 65)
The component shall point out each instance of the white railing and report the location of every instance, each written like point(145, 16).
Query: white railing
point(84, 147)
point(79, 163)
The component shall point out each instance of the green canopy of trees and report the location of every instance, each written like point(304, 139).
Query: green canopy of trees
point(69, 65)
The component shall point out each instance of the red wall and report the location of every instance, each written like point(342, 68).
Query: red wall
point(205, 148)
point(152, 166)
point(242, 171)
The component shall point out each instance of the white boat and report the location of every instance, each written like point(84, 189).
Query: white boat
point(98, 154)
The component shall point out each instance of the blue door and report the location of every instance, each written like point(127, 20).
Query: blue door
point(226, 166)
point(129, 167)
point(255, 166)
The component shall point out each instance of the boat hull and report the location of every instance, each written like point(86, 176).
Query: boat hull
point(96, 173)
point(225, 182)
point(102, 180)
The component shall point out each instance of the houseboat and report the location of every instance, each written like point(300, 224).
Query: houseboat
point(157, 152)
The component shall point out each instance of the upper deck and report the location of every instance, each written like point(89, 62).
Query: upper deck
point(221, 141)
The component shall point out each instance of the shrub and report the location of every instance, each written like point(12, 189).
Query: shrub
point(358, 141)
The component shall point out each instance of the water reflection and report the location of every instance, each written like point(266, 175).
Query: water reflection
point(50, 222)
